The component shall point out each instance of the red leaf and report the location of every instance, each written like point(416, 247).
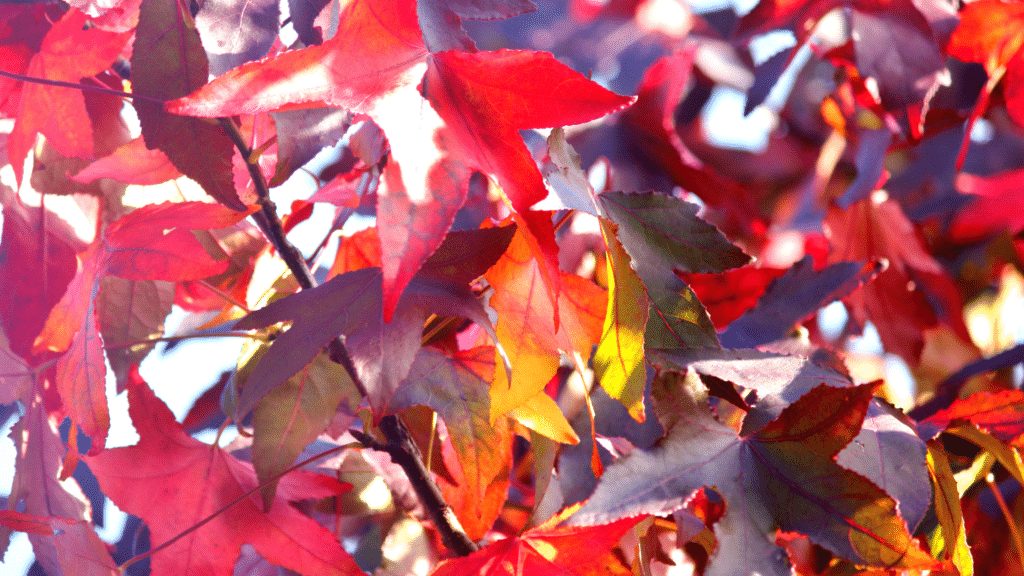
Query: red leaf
point(132, 163)
point(37, 488)
point(548, 550)
point(70, 52)
point(728, 295)
point(135, 247)
point(81, 380)
point(486, 97)
point(1001, 414)
point(173, 481)
point(994, 208)
point(37, 261)
point(482, 98)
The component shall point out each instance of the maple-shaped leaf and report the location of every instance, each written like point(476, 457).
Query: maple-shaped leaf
point(132, 163)
point(1001, 414)
point(548, 550)
point(619, 359)
point(886, 451)
point(168, 61)
point(37, 487)
point(153, 242)
point(292, 415)
point(783, 477)
point(69, 52)
point(527, 327)
point(79, 550)
point(456, 387)
point(382, 351)
point(173, 481)
point(793, 297)
point(477, 102)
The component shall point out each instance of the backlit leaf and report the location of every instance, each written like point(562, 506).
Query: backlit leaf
point(173, 481)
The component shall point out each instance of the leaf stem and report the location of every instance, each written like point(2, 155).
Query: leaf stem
point(399, 446)
point(77, 86)
point(204, 521)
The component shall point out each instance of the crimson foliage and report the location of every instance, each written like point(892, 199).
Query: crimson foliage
point(580, 337)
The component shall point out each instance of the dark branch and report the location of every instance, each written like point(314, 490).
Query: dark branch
point(77, 86)
point(399, 446)
point(949, 389)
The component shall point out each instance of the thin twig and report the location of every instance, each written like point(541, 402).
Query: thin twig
point(78, 86)
point(399, 446)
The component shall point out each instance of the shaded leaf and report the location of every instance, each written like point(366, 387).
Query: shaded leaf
point(381, 351)
point(292, 415)
point(456, 388)
point(37, 488)
point(663, 234)
point(130, 311)
point(303, 133)
point(168, 61)
point(793, 297)
point(727, 295)
point(782, 476)
point(235, 32)
point(173, 481)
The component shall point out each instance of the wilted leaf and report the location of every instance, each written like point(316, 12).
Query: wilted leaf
point(130, 311)
point(947, 508)
point(173, 481)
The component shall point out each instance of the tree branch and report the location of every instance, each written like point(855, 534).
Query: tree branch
point(399, 446)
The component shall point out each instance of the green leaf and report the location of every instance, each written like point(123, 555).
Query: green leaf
point(292, 415)
point(168, 62)
point(619, 360)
